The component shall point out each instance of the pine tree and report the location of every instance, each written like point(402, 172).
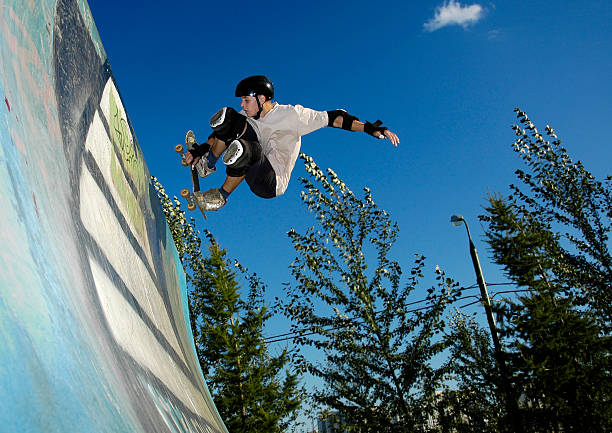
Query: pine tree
point(241, 372)
point(252, 389)
point(348, 302)
point(551, 237)
point(557, 351)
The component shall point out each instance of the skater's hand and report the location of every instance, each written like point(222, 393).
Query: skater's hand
point(390, 135)
point(377, 130)
point(189, 159)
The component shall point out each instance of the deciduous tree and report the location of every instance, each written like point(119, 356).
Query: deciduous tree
point(349, 302)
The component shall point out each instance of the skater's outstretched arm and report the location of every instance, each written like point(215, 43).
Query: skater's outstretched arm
point(341, 119)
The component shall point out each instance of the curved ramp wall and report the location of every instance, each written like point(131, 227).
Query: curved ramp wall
point(94, 325)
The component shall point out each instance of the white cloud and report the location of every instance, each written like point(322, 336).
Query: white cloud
point(453, 13)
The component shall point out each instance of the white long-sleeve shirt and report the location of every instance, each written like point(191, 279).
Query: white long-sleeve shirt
point(279, 133)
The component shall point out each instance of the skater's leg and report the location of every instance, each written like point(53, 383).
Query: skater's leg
point(228, 125)
point(244, 160)
point(215, 199)
point(231, 183)
point(216, 149)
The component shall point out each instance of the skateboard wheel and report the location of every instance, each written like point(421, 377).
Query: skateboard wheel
point(191, 206)
point(178, 148)
point(185, 193)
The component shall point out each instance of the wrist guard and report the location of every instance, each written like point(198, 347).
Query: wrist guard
point(347, 119)
point(199, 149)
point(371, 128)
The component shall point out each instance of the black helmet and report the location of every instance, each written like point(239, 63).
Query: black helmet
point(255, 85)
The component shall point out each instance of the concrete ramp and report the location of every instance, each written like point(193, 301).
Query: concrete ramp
point(94, 325)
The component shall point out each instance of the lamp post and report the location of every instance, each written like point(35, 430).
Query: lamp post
point(457, 220)
point(511, 402)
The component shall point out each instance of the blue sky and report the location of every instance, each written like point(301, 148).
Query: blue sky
point(445, 76)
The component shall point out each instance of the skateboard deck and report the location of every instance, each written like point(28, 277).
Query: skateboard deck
point(190, 195)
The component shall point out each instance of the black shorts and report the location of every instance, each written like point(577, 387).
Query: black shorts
point(259, 174)
point(261, 178)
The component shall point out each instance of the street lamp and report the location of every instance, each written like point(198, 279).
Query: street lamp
point(512, 405)
point(457, 220)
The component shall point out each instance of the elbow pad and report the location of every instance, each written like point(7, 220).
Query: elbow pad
point(347, 119)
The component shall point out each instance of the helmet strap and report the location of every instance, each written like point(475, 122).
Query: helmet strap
point(260, 108)
point(254, 95)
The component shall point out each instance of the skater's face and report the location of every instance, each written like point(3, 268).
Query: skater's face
point(249, 105)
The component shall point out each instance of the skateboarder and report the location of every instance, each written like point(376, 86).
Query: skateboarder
point(262, 143)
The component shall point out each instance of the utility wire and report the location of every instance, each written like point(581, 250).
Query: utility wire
point(410, 303)
point(298, 333)
point(302, 333)
point(272, 338)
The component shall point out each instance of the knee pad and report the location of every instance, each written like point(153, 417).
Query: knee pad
point(228, 124)
point(238, 155)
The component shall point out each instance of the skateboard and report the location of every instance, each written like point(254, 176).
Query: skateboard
point(190, 195)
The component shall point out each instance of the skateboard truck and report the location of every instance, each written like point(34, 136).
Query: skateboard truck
point(185, 193)
point(190, 196)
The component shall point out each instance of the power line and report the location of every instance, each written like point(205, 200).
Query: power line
point(302, 333)
point(410, 303)
point(296, 334)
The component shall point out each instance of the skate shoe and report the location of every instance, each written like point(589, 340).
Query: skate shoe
point(203, 168)
point(233, 153)
point(210, 200)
